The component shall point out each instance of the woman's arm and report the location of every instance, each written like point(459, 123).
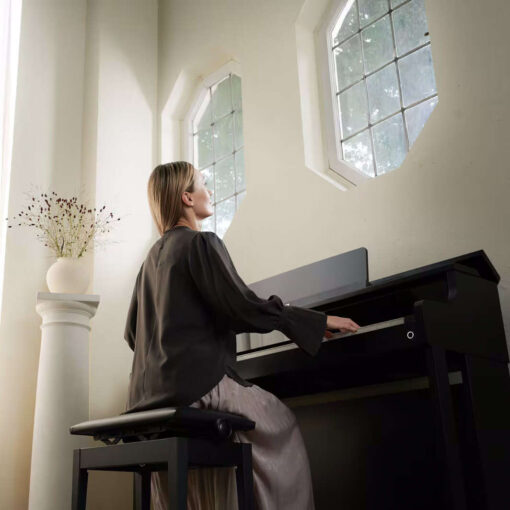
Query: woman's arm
point(225, 292)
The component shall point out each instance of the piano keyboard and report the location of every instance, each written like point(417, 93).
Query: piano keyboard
point(337, 336)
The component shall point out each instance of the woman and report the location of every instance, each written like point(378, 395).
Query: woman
point(187, 306)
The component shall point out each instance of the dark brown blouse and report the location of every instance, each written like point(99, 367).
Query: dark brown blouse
point(188, 304)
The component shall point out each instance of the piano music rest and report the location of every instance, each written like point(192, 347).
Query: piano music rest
point(173, 439)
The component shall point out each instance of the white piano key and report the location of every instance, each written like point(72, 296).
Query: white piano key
point(336, 336)
point(370, 327)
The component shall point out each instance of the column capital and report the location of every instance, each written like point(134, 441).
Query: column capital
point(74, 309)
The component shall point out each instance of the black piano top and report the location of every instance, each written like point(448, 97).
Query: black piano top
point(476, 263)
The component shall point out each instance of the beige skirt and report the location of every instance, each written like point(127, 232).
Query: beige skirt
point(281, 472)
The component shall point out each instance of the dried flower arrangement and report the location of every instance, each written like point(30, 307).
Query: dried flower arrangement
point(65, 226)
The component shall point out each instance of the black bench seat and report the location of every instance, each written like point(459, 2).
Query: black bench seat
point(164, 422)
point(174, 439)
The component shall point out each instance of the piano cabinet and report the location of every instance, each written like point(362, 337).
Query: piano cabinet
point(377, 439)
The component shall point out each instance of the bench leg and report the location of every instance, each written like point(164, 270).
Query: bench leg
point(142, 490)
point(178, 474)
point(80, 479)
point(244, 480)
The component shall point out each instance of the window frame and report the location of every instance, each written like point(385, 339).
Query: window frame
point(329, 104)
point(231, 67)
point(330, 108)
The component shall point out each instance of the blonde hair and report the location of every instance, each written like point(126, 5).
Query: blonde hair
point(166, 185)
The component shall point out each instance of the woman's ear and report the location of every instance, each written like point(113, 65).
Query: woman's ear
point(187, 199)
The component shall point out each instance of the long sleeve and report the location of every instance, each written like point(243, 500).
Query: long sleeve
point(130, 329)
point(223, 289)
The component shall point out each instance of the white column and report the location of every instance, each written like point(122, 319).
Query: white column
point(62, 397)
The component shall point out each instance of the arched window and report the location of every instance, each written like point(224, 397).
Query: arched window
point(382, 82)
point(215, 127)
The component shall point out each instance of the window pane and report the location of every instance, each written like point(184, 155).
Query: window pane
point(349, 66)
point(410, 23)
point(236, 92)
point(225, 178)
point(349, 26)
point(389, 144)
point(221, 99)
point(209, 178)
point(208, 224)
point(238, 123)
point(417, 76)
point(220, 117)
point(395, 3)
point(203, 118)
point(224, 213)
point(371, 9)
point(223, 137)
point(417, 116)
point(377, 44)
point(240, 173)
point(203, 147)
point(358, 152)
point(383, 93)
point(353, 109)
point(240, 198)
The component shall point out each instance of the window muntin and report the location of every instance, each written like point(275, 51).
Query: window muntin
point(218, 150)
point(383, 81)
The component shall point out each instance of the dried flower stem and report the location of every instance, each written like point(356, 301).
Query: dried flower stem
point(68, 228)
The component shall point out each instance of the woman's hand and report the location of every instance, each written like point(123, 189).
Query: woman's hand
point(344, 324)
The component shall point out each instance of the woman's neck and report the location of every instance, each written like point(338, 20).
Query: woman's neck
point(188, 222)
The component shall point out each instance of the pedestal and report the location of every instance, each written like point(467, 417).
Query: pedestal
point(62, 397)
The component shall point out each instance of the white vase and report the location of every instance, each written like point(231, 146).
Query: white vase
point(69, 275)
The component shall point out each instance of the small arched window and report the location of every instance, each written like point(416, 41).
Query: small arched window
point(382, 81)
point(216, 148)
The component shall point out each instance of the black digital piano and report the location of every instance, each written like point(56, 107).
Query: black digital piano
point(413, 410)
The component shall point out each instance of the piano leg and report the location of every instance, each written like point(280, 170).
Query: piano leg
point(486, 410)
point(447, 444)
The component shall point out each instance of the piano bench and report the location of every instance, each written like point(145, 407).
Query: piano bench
point(173, 439)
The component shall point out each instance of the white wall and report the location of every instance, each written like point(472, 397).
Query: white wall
point(447, 199)
point(85, 115)
point(46, 153)
point(121, 147)
point(93, 80)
